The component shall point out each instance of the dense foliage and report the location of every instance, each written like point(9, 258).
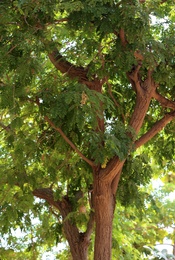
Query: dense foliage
point(84, 85)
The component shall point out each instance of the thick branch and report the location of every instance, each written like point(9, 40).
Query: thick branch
point(90, 226)
point(71, 70)
point(164, 101)
point(140, 110)
point(148, 87)
point(70, 229)
point(134, 79)
point(66, 67)
point(69, 142)
point(115, 182)
point(47, 194)
point(113, 168)
point(158, 126)
point(122, 37)
point(133, 75)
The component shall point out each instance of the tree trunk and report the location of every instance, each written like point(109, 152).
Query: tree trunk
point(104, 205)
point(78, 242)
point(78, 245)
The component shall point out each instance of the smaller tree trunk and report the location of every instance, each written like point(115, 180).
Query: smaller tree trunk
point(77, 242)
point(104, 205)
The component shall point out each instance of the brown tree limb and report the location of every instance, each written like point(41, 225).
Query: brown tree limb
point(90, 226)
point(157, 127)
point(66, 67)
point(122, 37)
point(74, 238)
point(139, 113)
point(134, 79)
point(71, 70)
point(47, 194)
point(113, 168)
point(91, 163)
point(148, 87)
point(115, 182)
point(164, 101)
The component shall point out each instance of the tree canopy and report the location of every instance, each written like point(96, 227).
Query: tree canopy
point(87, 107)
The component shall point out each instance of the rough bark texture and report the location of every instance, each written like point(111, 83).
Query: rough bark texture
point(77, 241)
point(104, 204)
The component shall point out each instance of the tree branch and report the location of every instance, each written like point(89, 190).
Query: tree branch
point(91, 163)
point(115, 182)
point(134, 79)
point(4, 127)
point(90, 226)
point(71, 70)
point(113, 98)
point(122, 37)
point(70, 229)
point(47, 194)
point(58, 21)
point(164, 101)
point(113, 168)
point(157, 127)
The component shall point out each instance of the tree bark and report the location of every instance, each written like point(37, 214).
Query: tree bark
point(78, 242)
point(104, 205)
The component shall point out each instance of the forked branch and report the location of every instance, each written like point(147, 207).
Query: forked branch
point(134, 79)
point(112, 169)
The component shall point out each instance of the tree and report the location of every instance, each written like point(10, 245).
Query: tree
point(84, 85)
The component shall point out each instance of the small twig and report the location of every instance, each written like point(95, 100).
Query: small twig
point(111, 95)
point(113, 98)
point(58, 21)
point(69, 142)
point(7, 128)
point(11, 49)
point(53, 212)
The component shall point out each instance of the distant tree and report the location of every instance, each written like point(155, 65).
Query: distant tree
point(84, 85)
